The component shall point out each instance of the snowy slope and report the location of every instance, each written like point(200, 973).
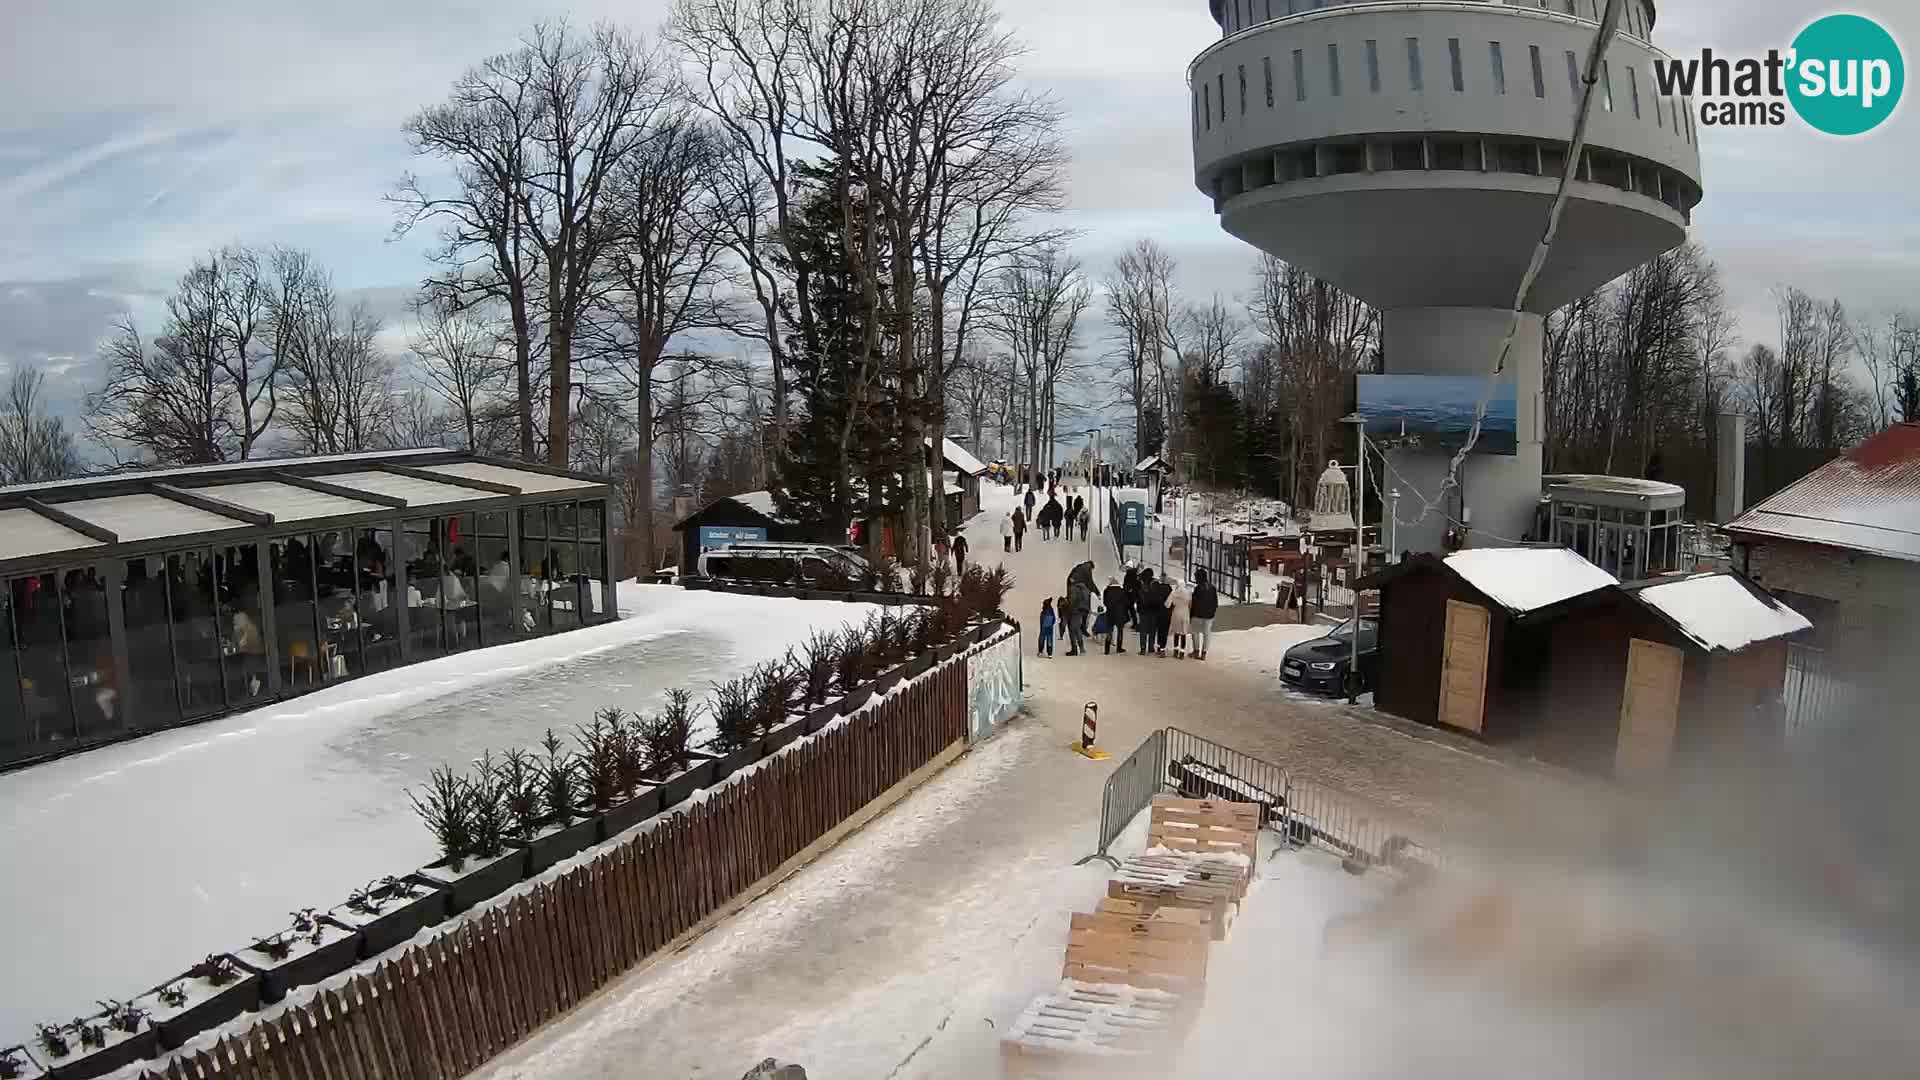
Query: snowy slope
point(145, 856)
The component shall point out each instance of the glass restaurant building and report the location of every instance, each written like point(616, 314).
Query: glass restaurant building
point(139, 601)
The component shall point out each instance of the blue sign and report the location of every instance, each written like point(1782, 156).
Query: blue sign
point(715, 536)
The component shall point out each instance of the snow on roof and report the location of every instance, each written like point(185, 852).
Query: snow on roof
point(760, 502)
point(1867, 499)
point(1721, 611)
point(1526, 579)
point(955, 489)
point(958, 457)
point(1618, 485)
point(1148, 463)
point(1132, 494)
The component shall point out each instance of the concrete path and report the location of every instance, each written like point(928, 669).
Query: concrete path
point(901, 952)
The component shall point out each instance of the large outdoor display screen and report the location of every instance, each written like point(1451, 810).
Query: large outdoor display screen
point(1438, 410)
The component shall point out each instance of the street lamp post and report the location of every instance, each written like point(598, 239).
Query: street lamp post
point(1360, 542)
point(1393, 519)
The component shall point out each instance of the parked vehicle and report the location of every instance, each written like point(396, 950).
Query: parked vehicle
point(1320, 665)
point(771, 561)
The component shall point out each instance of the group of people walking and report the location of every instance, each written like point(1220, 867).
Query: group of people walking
point(1060, 513)
point(1161, 612)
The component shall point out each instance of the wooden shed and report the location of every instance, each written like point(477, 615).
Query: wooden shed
point(1670, 667)
point(1454, 651)
point(748, 516)
point(960, 474)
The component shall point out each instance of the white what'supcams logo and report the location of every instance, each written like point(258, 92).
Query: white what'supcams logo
point(1843, 75)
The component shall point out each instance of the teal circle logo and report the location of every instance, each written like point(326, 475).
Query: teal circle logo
point(1847, 74)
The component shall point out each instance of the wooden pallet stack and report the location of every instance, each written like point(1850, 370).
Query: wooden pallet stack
point(1135, 969)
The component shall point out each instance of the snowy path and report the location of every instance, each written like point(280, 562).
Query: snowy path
point(905, 951)
point(128, 863)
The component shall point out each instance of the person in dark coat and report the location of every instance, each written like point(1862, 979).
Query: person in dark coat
point(1030, 502)
point(1159, 593)
point(959, 549)
point(1050, 519)
point(1020, 518)
point(1119, 614)
point(1080, 591)
point(1206, 604)
point(1145, 617)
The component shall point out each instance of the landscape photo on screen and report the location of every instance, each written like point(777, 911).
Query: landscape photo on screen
point(1438, 410)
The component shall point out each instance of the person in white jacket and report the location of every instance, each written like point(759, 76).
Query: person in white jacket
point(1180, 607)
point(1006, 532)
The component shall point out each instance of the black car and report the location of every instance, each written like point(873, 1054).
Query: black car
point(1320, 665)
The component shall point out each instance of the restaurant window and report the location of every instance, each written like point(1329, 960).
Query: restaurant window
point(303, 661)
point(1299, 75)
point(536, 618)
point(377, 597)
point(1243, 89)
point(1373, 65)
point(563, 565)
point(492, 549)
point(201, 650)
point(47, 712)
point(91, 675)
point(336, 610)
point(1499, 67)
point(143, 606)
point(460, 584)
point(1453, 62)
point(593, 561)
point(1333, 68)
point(1539, 76)
point(238, 596)
point(1414, 80)
point(421, 562)
point(1266, 71)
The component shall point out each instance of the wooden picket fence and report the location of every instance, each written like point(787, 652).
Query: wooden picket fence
point(443, 1008)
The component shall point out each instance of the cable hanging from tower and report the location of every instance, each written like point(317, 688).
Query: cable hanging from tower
point(1576, 151)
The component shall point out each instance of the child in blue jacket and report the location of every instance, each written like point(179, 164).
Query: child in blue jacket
point(1047, 619)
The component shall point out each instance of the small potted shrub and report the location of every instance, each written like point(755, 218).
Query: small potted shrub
point(474, 862)
point(566, 828)
point(312, 948)
point(917, 577)
point(518, 776)
point(941, 579)
point(821, 653)
point(391, 910)
point(16, 1063)
point(782, 695)
point(209, 994)
point(671, 760)
point(611, 768)
point(855, 668)
point(736, 722)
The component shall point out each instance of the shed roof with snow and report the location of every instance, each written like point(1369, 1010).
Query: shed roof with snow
point(1865, 500)
point(1524, 579)
point(1719, 611)
point(1151, 463)
point(957, 457)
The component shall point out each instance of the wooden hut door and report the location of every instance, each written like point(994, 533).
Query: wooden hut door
point(1463, 667)
point(1649, 708)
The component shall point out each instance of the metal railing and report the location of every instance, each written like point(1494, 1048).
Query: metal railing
point(1173, 761)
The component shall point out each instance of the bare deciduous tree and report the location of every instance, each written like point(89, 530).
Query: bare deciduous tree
point(35, 445)
point(1036, 311)
point(460, 355)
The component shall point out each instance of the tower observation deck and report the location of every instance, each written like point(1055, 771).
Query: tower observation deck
point(1408, 152)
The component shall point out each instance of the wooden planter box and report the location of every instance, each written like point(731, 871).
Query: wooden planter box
point(556, 842)
point(397, 917)
point(477, 879)
point(852, 702)
point(206, 1007)
point(622, 816)
point(23, 1064)
point(822, 716)
point(786, 734)
point(85, 1063)
point(734, 761)
point(305, 963)
point(889, 679)
point(675, 789)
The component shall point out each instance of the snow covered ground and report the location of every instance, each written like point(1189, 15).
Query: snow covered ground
point(128, 863)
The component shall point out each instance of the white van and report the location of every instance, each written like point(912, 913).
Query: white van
point(772, 561)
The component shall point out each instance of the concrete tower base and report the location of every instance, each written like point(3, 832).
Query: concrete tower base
point(1497, 493)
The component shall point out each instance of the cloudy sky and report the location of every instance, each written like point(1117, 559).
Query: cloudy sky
point(136, 134)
